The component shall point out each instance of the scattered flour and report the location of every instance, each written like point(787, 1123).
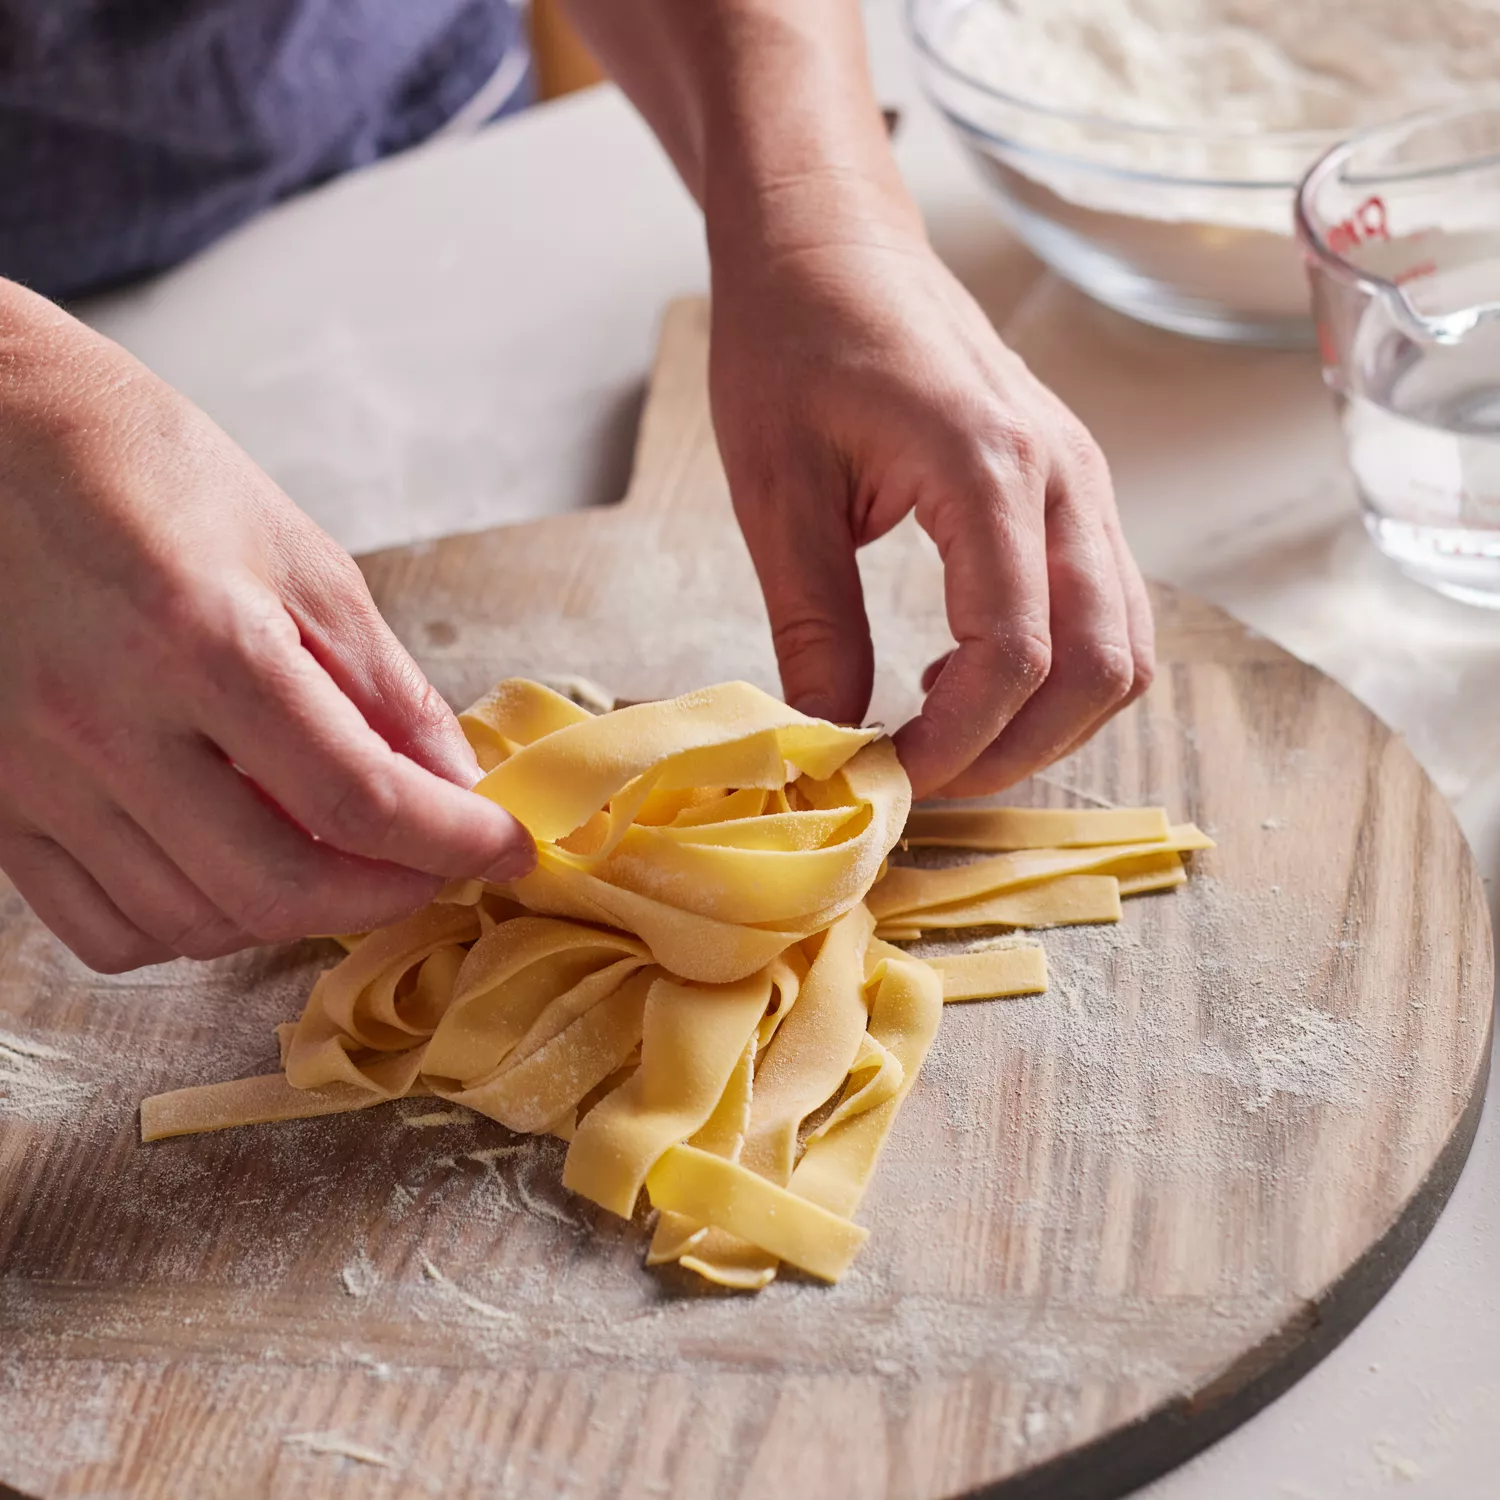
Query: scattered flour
point(1394, 1464)
point(436, 1119)
point(42, 1083)
point(473, 1303)
point(331, 1443)
point(359, 1277)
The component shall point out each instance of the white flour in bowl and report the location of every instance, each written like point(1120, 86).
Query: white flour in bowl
point(1243, 65)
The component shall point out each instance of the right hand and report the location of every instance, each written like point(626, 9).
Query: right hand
point(209, 738)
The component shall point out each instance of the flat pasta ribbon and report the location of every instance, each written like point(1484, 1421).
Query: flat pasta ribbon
point(691, 988)
point(720, 827)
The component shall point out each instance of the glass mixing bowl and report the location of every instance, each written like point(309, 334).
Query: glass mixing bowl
point(1189, 230)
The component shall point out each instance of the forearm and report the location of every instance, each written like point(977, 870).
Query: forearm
point(767, 110)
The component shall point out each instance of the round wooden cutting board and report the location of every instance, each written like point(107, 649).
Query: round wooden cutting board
point(1112, 1220)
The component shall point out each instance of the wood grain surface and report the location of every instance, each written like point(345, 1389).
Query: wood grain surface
point(1111, 1222)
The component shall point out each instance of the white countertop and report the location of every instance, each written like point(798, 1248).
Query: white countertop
point(460, 337)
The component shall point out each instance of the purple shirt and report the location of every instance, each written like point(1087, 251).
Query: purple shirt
point(134, 132)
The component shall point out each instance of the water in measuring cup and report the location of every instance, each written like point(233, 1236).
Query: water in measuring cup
point(1422, 428)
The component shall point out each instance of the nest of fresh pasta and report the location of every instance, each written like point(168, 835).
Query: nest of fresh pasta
point(700, 986)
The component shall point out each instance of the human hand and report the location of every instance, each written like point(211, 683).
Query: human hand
point(854, 381)
point(209, 738)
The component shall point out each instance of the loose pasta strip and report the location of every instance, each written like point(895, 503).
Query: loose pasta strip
point(1009, 828)
point(783, 1225)
point(993, 973)
point(906, 888)
point(1068, 901)
point(1153, 872)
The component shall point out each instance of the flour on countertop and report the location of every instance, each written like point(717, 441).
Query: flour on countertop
point(334, 1445)
point(359, 1277)
point(41, 1083)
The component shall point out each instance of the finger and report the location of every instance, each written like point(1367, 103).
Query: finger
point(1138, 611)
point(988, 524)
point(130, 868)
point(1092, 662)
point(1142, 637)
point(262, 871)
point(347, 635)
point(1142, 632)
point(933, 670)
point(72, 904)
point(280, 717)
point(802, 544)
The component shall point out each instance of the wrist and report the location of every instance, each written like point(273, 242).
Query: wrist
point(795, 153)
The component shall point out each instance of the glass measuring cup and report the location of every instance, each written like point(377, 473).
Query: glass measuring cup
point(1400, 228)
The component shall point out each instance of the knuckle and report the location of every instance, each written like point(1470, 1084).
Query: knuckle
point(362, 815)
point(1024, 654)
point(242, 628)
point(343, 572)
point(1025, 449)
point(1019, 656)
point(430, 714)
point(271, 910)
point(1084, 452)
point(62, 707)
point(1108, 668)
point(805, 634)
point(173, 604)
point(1012, 445)
point(329, 581)
point(77, 714)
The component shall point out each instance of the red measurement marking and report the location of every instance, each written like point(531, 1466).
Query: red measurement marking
point(1367, 222)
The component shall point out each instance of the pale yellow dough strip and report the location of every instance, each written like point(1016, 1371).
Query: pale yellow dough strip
point(724, 1134)
point(700, 1185)
point(729, 735)
point(265, 1100)
point(906, 888)
point(714, 901)
point(993, 973)
point(1010, 828)
point(904, 1013)
point(1156, 872)
point(803, 1066)
point(693, 1037)
point(1068, 901)
point(905, 1001)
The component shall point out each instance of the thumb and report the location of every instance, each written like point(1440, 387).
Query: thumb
point(803, 548)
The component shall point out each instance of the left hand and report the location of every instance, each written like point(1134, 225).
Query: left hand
point(853, 381)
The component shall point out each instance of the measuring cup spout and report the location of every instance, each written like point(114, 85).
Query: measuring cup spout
point(1445, 329)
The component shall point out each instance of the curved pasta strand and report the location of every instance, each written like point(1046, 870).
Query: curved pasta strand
point(693, 1037)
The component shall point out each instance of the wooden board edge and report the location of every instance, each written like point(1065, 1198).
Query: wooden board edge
point(1122, 1461)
